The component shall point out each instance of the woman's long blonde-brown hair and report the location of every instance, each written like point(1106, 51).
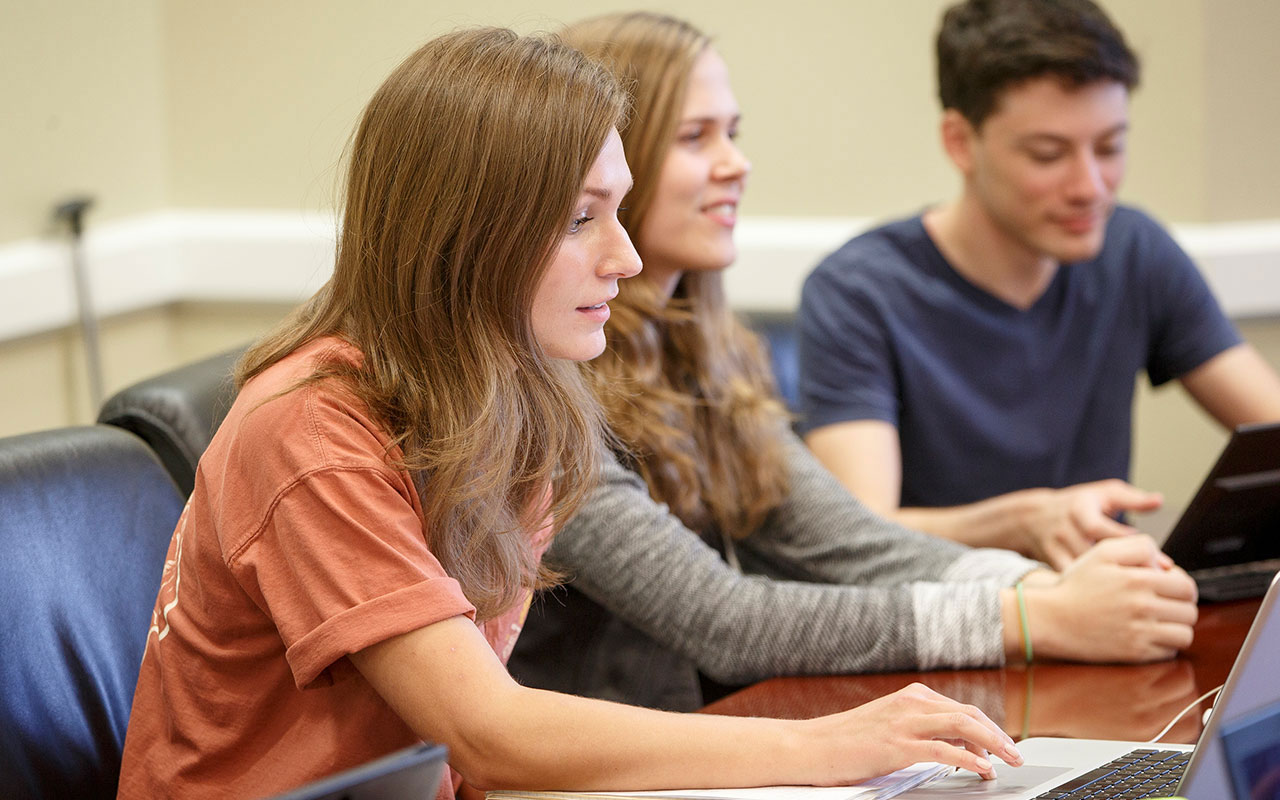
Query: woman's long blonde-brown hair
point(462, 178)
point(685, 387)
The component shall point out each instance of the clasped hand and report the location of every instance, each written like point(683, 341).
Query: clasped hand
point(1122, 601)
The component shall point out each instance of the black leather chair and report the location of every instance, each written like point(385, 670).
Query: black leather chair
point(86, 515)
point(177, 412)
point(779, 331)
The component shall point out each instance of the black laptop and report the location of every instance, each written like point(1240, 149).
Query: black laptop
point(410, 774)
point(1228, 539)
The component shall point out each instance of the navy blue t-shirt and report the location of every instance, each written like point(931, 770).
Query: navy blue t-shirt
point(989, 398)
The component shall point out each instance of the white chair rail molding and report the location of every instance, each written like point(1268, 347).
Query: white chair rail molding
point(273, 256)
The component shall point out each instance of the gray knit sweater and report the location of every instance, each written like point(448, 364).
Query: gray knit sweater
point(824, 587)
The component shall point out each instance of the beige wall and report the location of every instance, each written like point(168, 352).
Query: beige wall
point(828, 89)
point(239, 104)
point(82, 108)
point(1242, 110)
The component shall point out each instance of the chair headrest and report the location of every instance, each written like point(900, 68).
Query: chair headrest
point(177, 412)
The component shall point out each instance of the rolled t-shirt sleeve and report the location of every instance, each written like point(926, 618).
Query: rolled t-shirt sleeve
point(1189, 327)
point(845, 359)
point(340, 563)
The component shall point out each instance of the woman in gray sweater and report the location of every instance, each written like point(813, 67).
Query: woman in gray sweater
point(715, 543)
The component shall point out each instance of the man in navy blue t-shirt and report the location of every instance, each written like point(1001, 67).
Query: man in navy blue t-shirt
point(970, 371)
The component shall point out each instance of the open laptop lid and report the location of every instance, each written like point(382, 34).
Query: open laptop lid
point(410, 774)
point(1249, 699)
point(1238, 755)
point(1234, 518)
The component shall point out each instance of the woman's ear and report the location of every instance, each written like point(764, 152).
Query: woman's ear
point(958, 137)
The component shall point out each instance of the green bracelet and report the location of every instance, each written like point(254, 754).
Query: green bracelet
point(1022, 616)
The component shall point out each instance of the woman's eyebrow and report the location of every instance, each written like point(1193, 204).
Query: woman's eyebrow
point(705, 118)
point(604, 193)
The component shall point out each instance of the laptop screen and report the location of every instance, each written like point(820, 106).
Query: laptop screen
point(1239, 754)
point(409, 774)
point(1233, 515)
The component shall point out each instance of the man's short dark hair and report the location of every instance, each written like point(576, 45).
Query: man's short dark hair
point(987, 46)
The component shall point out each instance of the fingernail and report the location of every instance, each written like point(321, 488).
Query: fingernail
point(984, 764)
point(1011, 754)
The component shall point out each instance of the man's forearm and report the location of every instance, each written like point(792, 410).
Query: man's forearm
point(995, 522)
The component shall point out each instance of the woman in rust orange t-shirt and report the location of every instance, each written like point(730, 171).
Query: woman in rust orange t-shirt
point(366, 528)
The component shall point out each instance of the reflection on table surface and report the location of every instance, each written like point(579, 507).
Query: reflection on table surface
point(1044, 699)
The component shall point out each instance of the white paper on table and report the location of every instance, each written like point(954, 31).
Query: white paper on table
point(882, 788)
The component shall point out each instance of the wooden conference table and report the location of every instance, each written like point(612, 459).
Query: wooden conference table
point(1045, 699)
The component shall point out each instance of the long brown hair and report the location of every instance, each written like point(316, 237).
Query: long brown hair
point(685, 387)
point(462, 177)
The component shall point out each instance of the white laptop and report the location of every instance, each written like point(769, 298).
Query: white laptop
point(1237, 757)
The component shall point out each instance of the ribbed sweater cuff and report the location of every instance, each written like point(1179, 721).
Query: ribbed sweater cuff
point(957, 625)
point(1001, 567)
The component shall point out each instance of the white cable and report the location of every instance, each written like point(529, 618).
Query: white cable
point(1184, 711)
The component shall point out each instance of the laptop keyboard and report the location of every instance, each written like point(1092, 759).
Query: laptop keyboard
point(1236, 582)
point(1136, 774)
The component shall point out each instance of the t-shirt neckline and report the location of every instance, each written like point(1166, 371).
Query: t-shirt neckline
point(944, 269)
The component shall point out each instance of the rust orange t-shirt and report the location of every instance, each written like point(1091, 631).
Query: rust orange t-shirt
point(300, 545)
